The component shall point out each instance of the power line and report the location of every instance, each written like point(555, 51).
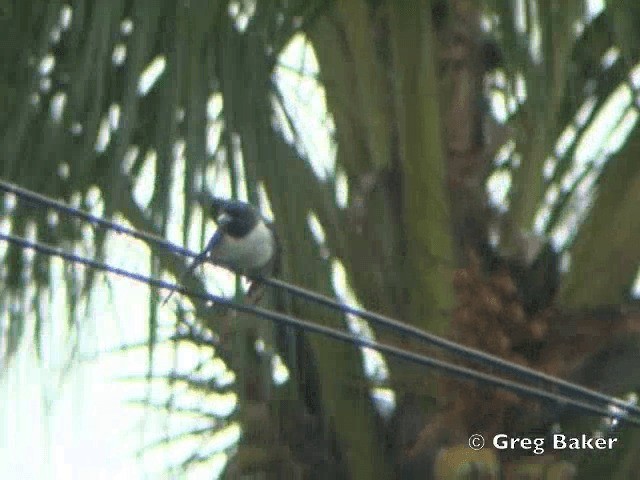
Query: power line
point(467, 353)
point(42, 200)
point(442, 366)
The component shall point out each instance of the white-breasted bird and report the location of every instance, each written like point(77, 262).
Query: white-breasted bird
point(244, 242)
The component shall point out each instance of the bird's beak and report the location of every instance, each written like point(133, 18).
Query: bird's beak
point(223, 219)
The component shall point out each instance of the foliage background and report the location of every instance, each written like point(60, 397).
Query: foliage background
point(364, 127)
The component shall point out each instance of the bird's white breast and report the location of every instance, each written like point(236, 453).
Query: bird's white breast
point(251, 252)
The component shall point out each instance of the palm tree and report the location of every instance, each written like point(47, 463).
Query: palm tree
point(365, 128)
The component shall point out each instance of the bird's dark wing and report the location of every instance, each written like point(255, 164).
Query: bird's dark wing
point(216, 238)
point(199, 259)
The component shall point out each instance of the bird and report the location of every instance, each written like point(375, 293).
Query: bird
point(244, 242)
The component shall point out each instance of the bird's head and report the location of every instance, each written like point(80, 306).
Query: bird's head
point(233, 217)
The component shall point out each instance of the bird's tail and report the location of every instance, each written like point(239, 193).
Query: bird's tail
point(196, 261)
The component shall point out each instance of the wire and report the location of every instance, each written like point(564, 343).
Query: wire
point(413, 357)
point(42, 200)
point(468, 353)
